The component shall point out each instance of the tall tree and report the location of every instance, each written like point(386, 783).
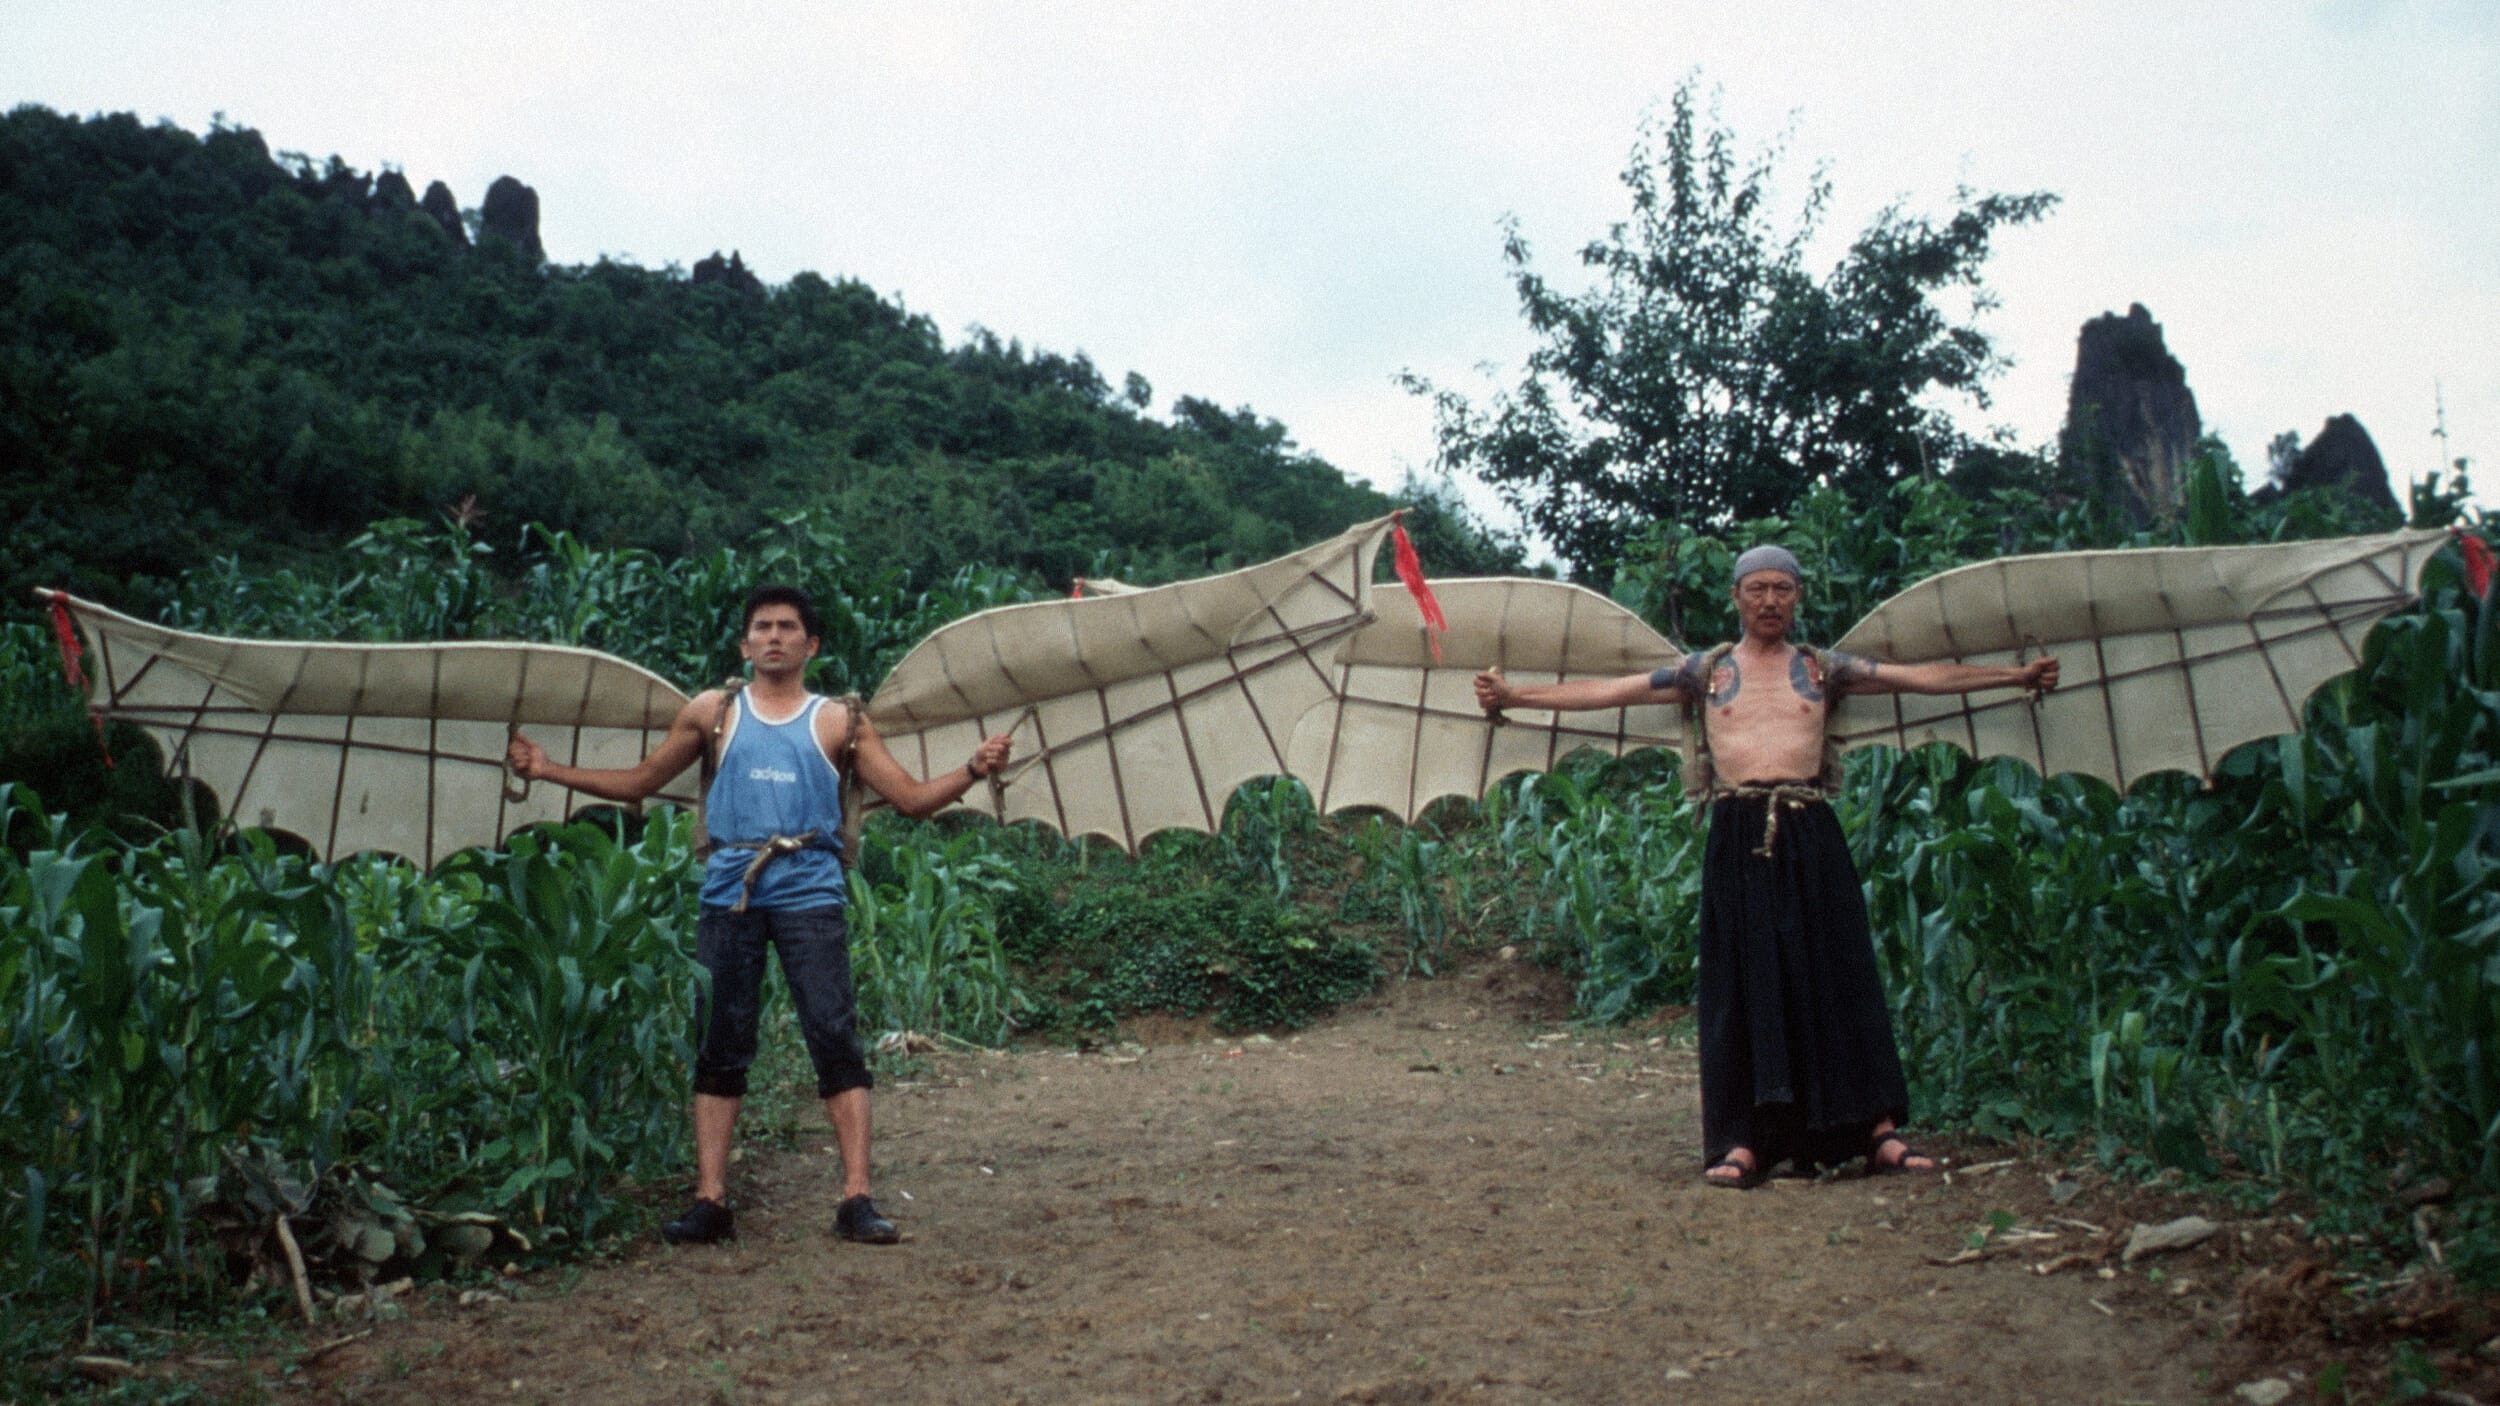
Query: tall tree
point(1706, 375)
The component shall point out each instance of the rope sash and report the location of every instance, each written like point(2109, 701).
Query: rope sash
point(1778, 796)
point(766, 851)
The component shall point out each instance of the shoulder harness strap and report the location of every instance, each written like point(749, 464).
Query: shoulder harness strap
point(854, 795)
point(711, 764)
point(1829, 777)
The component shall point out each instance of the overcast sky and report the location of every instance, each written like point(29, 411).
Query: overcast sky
point(1285, 205)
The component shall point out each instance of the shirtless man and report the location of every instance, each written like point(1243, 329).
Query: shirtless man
point(774, 878)
point(1797, 1054)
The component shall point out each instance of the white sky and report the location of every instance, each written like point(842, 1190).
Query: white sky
point(1284, 205)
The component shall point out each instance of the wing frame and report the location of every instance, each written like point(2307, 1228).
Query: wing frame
point(2143, 634)
point(286, 733)
point(1117, 689)
point(1395, 695)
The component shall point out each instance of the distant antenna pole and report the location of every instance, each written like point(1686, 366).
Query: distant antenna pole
point(2439, 425)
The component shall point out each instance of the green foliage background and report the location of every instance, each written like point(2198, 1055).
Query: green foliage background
point(207, 351)
point(236, 392)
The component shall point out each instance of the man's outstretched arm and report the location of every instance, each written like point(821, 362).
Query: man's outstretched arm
point(1670, 685)
point(887, 778)
point(687, 733)
point(1854, 674)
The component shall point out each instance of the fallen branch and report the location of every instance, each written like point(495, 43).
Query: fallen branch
point(295, 1268)
point(97, 1368)
point(331, 1346)
point(2066, 1261)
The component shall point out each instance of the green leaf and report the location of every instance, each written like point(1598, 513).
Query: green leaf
point(521, 1180)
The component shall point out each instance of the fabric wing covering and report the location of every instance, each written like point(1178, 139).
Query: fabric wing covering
point(2167, 657)
point(390, 747)
point(1135, 710)
point(1404, 731)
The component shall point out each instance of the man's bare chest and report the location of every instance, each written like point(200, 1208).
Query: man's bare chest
point(1773, 697)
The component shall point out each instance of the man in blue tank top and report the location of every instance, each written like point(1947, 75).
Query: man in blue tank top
point(773, 877)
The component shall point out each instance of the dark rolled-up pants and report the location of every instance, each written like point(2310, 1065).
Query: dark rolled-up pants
point(815, 948)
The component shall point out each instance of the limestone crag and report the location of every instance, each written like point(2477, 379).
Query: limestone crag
point(2344, 457)
point(446, 212)
point(2131, 421)
point(731, 273)
point(511, 213)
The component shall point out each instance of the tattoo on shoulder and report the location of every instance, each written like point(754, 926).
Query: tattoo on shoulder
point(1805, 676)
point(1850, 670)
point(1814, 675)
point(1725, 680)
point(1684, 673)
point(1697, 677)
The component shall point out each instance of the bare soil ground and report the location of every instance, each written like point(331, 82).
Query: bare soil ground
point(1446, 1194)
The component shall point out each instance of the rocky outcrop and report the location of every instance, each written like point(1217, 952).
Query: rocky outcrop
point(2131, 421)
point(731, 273)
point(511, 213)
point(345, 184)
point(2343, 457)
point(446, 212)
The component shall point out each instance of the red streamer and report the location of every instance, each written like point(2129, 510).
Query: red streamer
point(2479, 561)
point(66, 634)
point(1411, 571)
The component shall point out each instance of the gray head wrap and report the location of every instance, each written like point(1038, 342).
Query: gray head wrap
point(1768, 559)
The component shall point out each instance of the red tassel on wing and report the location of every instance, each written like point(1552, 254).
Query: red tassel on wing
point(1411, 571)
point(2479, 561)
point(66, 634)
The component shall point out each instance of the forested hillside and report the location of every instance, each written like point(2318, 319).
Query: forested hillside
point(208, 350)
point(228, 383)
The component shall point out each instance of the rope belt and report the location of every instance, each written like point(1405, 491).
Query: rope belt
point(1778, 796)
point(766, 851)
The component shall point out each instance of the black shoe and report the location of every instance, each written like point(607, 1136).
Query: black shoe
point(704, 1223)
point(858, 1220)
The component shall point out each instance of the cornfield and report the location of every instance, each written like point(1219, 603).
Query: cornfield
point(230, 1060)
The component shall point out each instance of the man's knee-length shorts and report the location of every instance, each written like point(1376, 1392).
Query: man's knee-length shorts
point(815, 948)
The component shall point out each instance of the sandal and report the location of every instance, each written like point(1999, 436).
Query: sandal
point(1876, 1166)
point(1748, 1175)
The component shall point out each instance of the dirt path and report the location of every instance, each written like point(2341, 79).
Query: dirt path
point(1444, 1195)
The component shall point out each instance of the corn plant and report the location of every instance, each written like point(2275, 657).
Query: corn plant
point(1262, 824)
point(925, 950)
point(574, 1000)
point(208, 1019)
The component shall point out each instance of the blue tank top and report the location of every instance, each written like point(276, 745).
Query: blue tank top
point(775, 780)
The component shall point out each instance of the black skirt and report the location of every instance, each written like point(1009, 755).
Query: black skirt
point(1797, 1055)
